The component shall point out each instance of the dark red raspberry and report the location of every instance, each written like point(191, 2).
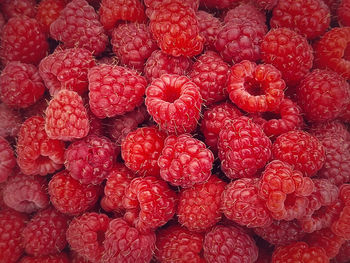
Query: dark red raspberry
point(174, 102)
point(326, 129)
point(114, 90)
point(343, 13)
point(45, 233)
point(289, 52)
point(218, 4)
point(153, 4)
point(85, 235)
point(57, 258)
point(48, 11)
point(7, 159)
point(69, 196)
point(199, 207)
point(244, 148)
point(229, 244)
point(12, 8)
point(301, 150)
point(246, 11)
point(149, 203)
point(266, 4)
point(10, 121)
point(178, 244)
point(76, 258)
point(344, 253)
point(341, 225)
point(209, 27)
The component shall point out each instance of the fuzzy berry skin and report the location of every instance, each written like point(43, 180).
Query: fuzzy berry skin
point(10, 121)
point(149, 203)
point(266, 4)
point(153, 4)
point(244, 149)
point(241, 203)
point(66, 117)
point(341, 225)
point(57, 258)
point(48, 11)
point(289, 52)
point(246, 10)
point(185, 161)
point(20, 85)
point(45, 234)
point(85, 235)
point(26, 194)
point(175, 28)
point(174, 102)
point(229, 244)
point(7, 159)
point(344, 253)
point(178, 244)
point(331, 128)
point(209, 27)
point(22, 39)
point(12, 8)
point(114, 90)
point(141, 150)
point(343, 13)
point(69, 196)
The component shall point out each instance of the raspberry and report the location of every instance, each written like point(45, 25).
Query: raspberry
point(48, 11)
point(20, 85)
point(12, 224)
point(248, 80)
point(25, 193)
point(114, 90)
point(210, 74)
point(22, 39)
point(344, 253)
point(185, 161)
point(58, 258)
point(76, 258)
point(67, 69)
point(69, 196)
point(12, 8)
point(85, 235)
point(177, 244)
point(343, 12)
point(149, 203)
point(326, 129)
point(341, 226)
point(45, 233)
point(209, 27)
point(133, 44)
point(244, 149)
point(7, 159)
point(153, 4)
point(310, 18)
point(199, 207)
point(301, 150)
point(244, 11)
point(174, 102)
point(10, 121)
point(289, 52)
point(242, 204)
point(141, 150)
point(66, 117)
point(266, 4)
point(218, 4)
point(175, 28)
point(229, 244)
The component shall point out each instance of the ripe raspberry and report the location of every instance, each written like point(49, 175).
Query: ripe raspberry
point(66, 117)
point(10, 121)
point(69, 196)
point(114, 90)
point(174, 102)
point(343, 13)
point(244, 149)
point(344, 253)
point(154, 4)
point(244, 11)
point(218, 4)
point(229, 244)
point(85, 235)
point(199, 207)
point(25, 193)
point(289, 52)
point(57, 258)
point(22, 39)
point(178, 244)
point(76, 258)
point(67, 69)
point(12, 8)
point(124, 243)
point(326, 129)
point(301, 150)
point(209, 27)
point(45, 233)
point(149, 203)
point(341, 226)
point(7, 159)
point(175, 28)
point(266, 4)
point(48, 11)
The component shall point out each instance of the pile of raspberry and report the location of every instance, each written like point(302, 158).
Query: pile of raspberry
point(174, 131)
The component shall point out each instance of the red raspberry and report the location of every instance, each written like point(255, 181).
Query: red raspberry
point(199, 207)
point(76, 258)
point(153, 4)
point(218, 4)
point(22, 39)
point(12, 8)
point(289, 52)
point(301, 150)
point(7, 159)
point(244, 149)
point(48, 11)
point(344, 253)
point(210, 74)
point(242, 204)
point(45, 233)
point(10, 121)
point(209, 27)
point(244, 11)
point(114, 90)
point(174, 102)
point(299, 252)
point(149, 203)
point(175, 28)
point(12, 224)
point(229, 244)
point(57, 258)
point(67, 69)
point(69, 196)
point(85, 235)
point(185, 161)
point(66, 117)
point(124, 243)
point(160, 63)
point(177, 244)
point(326, 129)
point(343, 12)
point(266, 4)
point(341, 226)
point(25, 193)
point(20, 85)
